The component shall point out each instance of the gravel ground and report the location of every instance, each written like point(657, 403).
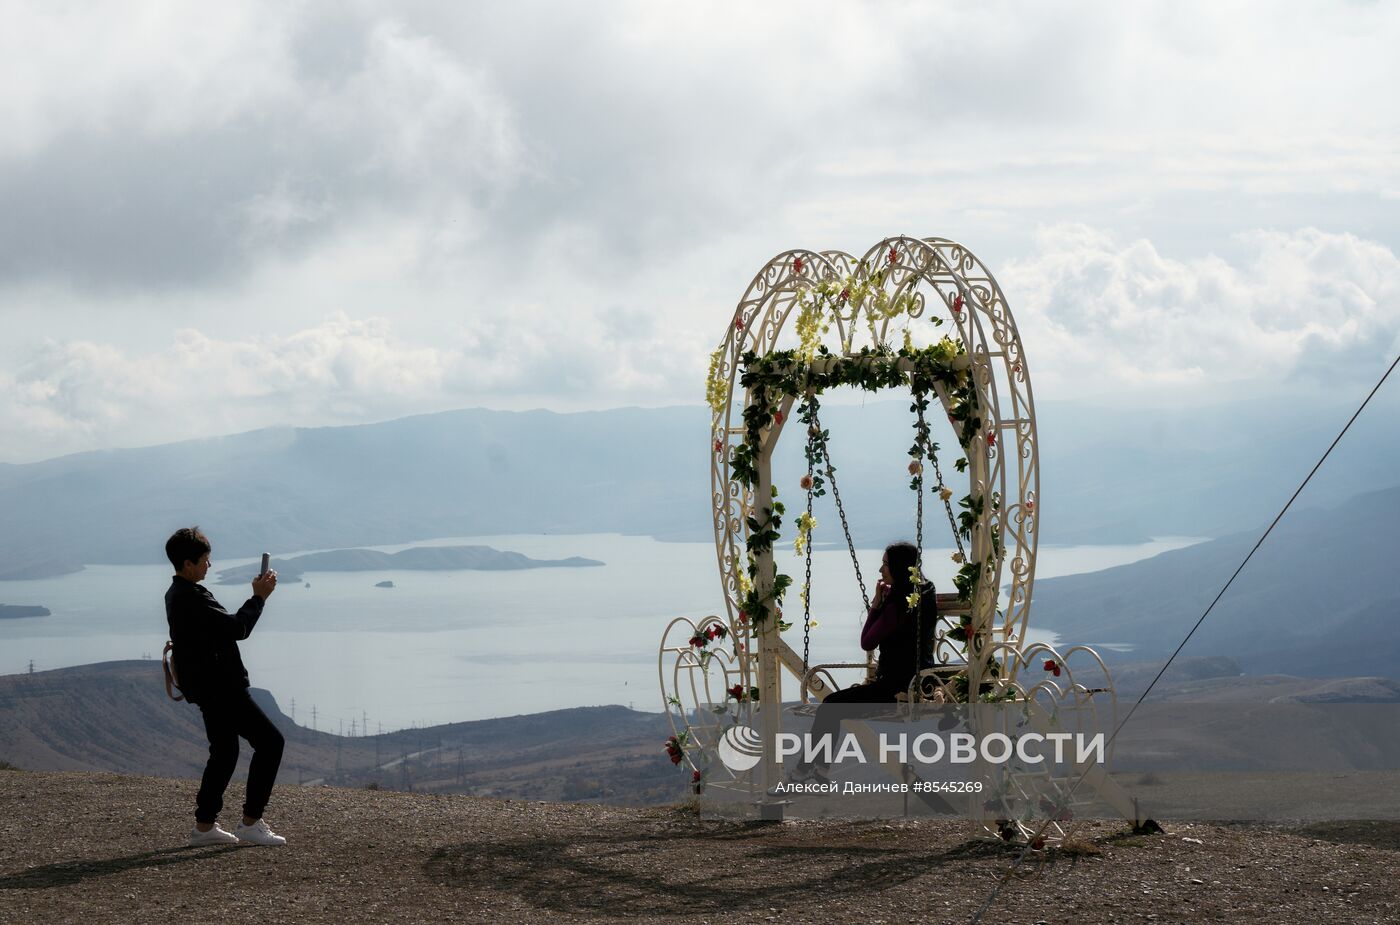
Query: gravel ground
point(80, 847)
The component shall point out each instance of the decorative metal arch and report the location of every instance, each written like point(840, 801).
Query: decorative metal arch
point(918, 285)
point(942, 276)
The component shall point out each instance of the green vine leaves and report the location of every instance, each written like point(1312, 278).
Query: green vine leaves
point(771, 377)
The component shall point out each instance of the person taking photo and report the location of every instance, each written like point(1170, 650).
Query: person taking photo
point(211, 675)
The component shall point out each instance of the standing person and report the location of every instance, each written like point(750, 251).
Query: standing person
point(892, 627)
point(212, 676)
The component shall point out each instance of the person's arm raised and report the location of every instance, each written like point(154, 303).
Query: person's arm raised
point(219, 622)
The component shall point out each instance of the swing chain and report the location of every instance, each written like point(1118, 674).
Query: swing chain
point(840, 508)
point(921, 444)
point(947, 504)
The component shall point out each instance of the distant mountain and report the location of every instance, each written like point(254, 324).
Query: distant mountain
point(417, 559)
point(1318, 599)
point(20, 611)
point(115, 716)
point(1107, 476)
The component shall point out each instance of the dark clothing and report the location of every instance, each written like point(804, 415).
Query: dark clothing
point(206, 640)
point(827, 722)
point(893, 630)
point(227, 717)
point(212, 676)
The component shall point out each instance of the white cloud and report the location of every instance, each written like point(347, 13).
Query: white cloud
point(79, 394)
point(1102, 316)
point(545, 205)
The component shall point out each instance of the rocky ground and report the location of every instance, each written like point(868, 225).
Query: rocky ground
point(89, 847)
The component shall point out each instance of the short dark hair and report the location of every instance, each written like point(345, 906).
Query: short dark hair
point(186, 544)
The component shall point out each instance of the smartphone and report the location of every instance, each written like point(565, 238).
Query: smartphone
point(266, 561)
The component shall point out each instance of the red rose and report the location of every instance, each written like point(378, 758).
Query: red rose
point(675, 757)
point(710, 633)
point(1050, 664)
point(719, 446)
point(797, 264)
point(737, 692)
point(720, 630)
point(777, 417)
point(991, 439)
point(957, 304)
point(893, 256)
point(1057, 671)
point(697, 641)
point(738, 324)
point(845, 295)
point(695, 776)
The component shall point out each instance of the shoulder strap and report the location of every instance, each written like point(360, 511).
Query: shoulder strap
point(172, 681)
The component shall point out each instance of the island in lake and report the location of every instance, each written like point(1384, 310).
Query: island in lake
point(17, 611)
point(384, 584)
point(419, 558)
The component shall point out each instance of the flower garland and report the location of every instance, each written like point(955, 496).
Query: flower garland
point(770, 376)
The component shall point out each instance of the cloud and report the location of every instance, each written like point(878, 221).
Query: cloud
point(74, 395)
point(534, 204)
point(1306, 307)
point(164, 145)
point(155, 144)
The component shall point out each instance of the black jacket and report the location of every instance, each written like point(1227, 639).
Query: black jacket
point(206, 640)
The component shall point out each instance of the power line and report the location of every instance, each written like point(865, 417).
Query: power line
point(996, 890)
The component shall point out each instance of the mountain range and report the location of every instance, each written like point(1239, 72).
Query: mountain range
point(1318, 598)
point(1107, 476)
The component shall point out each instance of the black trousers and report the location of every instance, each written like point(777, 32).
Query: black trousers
point(226, 718)
point(838, 705)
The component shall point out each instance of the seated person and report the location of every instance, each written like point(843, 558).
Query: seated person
point(891, 627)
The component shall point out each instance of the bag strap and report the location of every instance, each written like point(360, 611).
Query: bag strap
point(172, 681)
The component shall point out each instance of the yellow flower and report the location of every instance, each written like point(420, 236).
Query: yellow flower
point(912, 600)
point(945, 492)
point(716, 389)
point(959, 557)
point(806, 523)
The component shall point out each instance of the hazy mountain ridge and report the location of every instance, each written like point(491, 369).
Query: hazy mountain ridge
point(1318, 599)
point(115, 716)
point(1106, 477)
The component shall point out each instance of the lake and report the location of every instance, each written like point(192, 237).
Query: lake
point(450, 646)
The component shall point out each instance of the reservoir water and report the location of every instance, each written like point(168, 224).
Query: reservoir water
point(450, 646)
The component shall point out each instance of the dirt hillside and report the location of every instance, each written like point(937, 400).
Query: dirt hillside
point(87, 847)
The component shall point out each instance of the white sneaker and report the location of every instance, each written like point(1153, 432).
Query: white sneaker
point(258, 834)
point(215, 836)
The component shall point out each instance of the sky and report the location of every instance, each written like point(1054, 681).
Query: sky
point(218, 217)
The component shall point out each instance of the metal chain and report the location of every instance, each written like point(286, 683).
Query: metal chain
point(840, 509)
point(947, 504)
point(921, 431)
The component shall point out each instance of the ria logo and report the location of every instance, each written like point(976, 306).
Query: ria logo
point(740, 748)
